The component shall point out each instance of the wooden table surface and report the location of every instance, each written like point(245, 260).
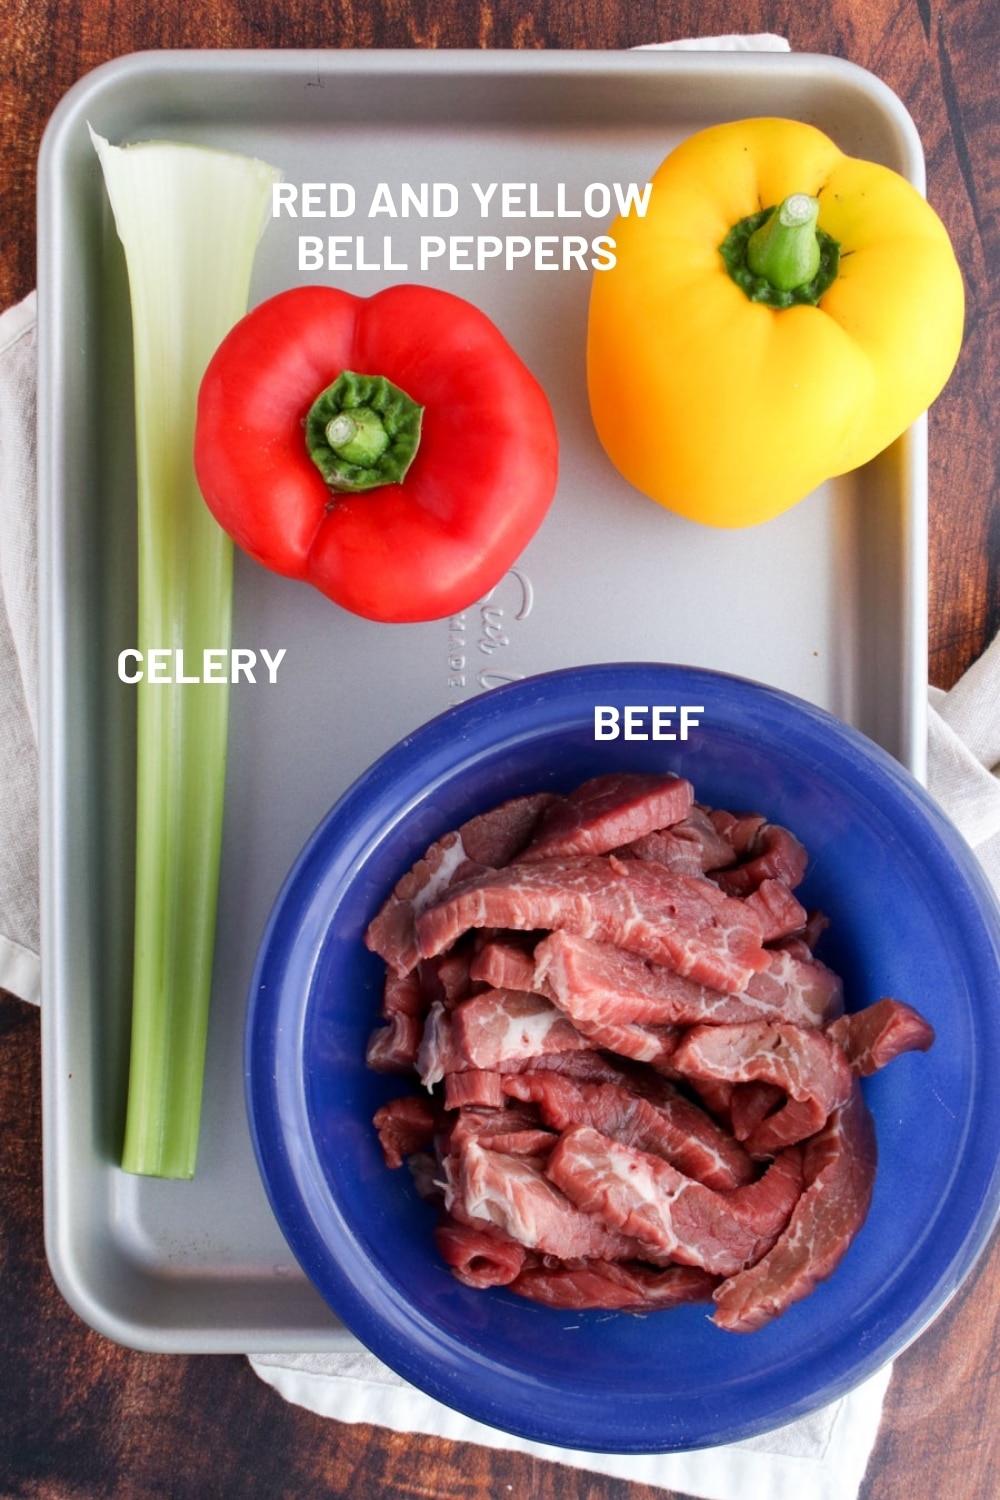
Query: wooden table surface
point(81, 1417)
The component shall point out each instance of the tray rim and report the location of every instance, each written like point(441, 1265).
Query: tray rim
point(94, 91)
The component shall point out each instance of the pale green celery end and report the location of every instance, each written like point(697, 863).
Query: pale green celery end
point(189, 220)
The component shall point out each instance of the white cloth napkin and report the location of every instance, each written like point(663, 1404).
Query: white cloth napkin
point(18, 656)
point(822, 1457)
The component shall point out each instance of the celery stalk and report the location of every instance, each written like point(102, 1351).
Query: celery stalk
point(190, 220)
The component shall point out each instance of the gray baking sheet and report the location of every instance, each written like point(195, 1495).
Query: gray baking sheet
point(828, 601)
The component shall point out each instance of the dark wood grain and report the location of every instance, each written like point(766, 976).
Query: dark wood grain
point(83, 1419)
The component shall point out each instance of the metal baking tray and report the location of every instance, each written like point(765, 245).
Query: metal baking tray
point(828, 601)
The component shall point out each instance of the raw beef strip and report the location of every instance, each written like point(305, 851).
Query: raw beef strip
point(479, 1257)
point(614, 1285)
point(766, 851)
point(692, 845)
point(672, 1127)
point(514, 1193)
point(646, 1198)
point(505, 963)
point(802, 988)
point(805, 1064)
point(609, 811)
point(447, 977)
point(477, 1088)
point(873, 1037)
point(589, 1067)
point(393, 1048)
point(484, 1124)
point(682, 921)
point(404, 1126)
point(600, 983)
point(779, 912)
point(499, 1026)
point(839, 1168)
point(652, 1044)
point(750, 1103)
point(485, 842)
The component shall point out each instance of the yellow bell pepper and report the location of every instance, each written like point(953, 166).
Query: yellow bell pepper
point(737, 358)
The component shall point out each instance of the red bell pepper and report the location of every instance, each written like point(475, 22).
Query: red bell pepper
point(392, 450)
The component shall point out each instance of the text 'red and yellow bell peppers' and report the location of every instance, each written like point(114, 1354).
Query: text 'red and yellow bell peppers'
point(779, 316)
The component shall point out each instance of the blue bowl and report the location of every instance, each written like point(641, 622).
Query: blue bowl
point(911, 916)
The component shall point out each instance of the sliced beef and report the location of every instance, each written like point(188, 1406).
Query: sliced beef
point(474, 1088)
point(479, 1257)
point(485, 842)
point(405, 1126)
point(641, 1083)
point(393, 1048)
point(590, 1066)
point(514, 1193)
point(485, 1124)
point(779, 912)
point(682, 921)
point(436, 1054)
point(839, 1171)
point(614, 1286)
point(692, 845)
point(506, 963)
point(667, 1213)
point(609, 811)
point(765, 851)
point(799, 986)
point(873, 1037)
point(600, 983)
point(810, 1069)
point(447, 977)
point(672, 1126)
point(502, 1025)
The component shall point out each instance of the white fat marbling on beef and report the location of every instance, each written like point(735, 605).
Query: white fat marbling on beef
point(436, 1053)
point(804, 1064)
point(802, 989)
point(682, 921)
point(647, 1199)
point(500, 1026)
point(671, 1126)
point(514, 1193)
point(599, 983)
point(485, 842)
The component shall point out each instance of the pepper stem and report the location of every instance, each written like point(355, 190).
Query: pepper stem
point(358, 435)
point(779, 256)
point(362, 432)
point(785, 250)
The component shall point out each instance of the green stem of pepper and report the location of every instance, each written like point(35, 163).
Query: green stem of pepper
point(785, 250)
point(780, 256)
point(363, 432)
point(358, 435)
